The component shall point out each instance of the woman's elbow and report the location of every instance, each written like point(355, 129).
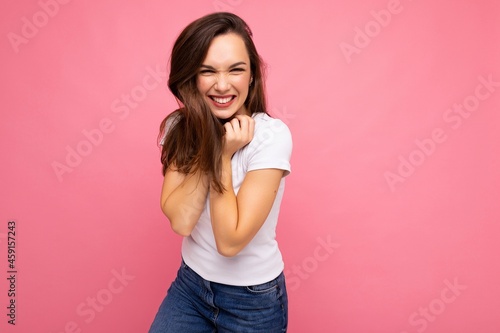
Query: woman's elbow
point(181, 231)
point(228, 251)
point(180, 226)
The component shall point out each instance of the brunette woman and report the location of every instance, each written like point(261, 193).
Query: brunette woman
point(224, 161)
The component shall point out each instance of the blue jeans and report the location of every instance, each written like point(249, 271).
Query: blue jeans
point(195, 305)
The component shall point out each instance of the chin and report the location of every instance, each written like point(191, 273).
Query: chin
point(223, 114)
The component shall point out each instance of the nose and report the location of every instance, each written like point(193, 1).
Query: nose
point(222, 83)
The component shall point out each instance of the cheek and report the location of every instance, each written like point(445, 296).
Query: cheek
point(203, 84)
point(242, 84)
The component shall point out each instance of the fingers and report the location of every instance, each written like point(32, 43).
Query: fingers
point(251, 127)
point(246, 125)
point(241, 127)
point(239, 132)
point(231, 127)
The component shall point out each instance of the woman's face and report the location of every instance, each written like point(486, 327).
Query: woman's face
point(224, 77)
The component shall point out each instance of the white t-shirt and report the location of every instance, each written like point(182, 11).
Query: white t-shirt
point(260, 261)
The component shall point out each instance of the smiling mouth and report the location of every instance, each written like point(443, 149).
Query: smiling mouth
point(222, 100)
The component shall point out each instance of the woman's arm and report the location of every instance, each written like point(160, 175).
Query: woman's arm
point(236, 219)
point(183, 198)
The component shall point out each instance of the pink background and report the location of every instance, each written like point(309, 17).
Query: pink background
point(390, 221)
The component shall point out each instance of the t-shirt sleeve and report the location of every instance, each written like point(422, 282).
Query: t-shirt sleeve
point(271, 147)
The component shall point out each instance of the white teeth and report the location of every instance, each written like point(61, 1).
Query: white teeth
point(222, 100)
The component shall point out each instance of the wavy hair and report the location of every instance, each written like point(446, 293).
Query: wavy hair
point(191, 136)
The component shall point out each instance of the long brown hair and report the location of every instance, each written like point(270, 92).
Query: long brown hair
point(191, 136)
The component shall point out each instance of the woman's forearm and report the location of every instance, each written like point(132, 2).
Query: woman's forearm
point(224, 211)
point(184, 204)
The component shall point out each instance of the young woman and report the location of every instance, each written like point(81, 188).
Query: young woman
point(224, 161)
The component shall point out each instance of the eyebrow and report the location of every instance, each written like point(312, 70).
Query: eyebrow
point(232, 66)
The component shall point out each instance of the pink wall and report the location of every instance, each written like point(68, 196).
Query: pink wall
point(391, 216)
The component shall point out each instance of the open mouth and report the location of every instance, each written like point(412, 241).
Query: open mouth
point(222, 101)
